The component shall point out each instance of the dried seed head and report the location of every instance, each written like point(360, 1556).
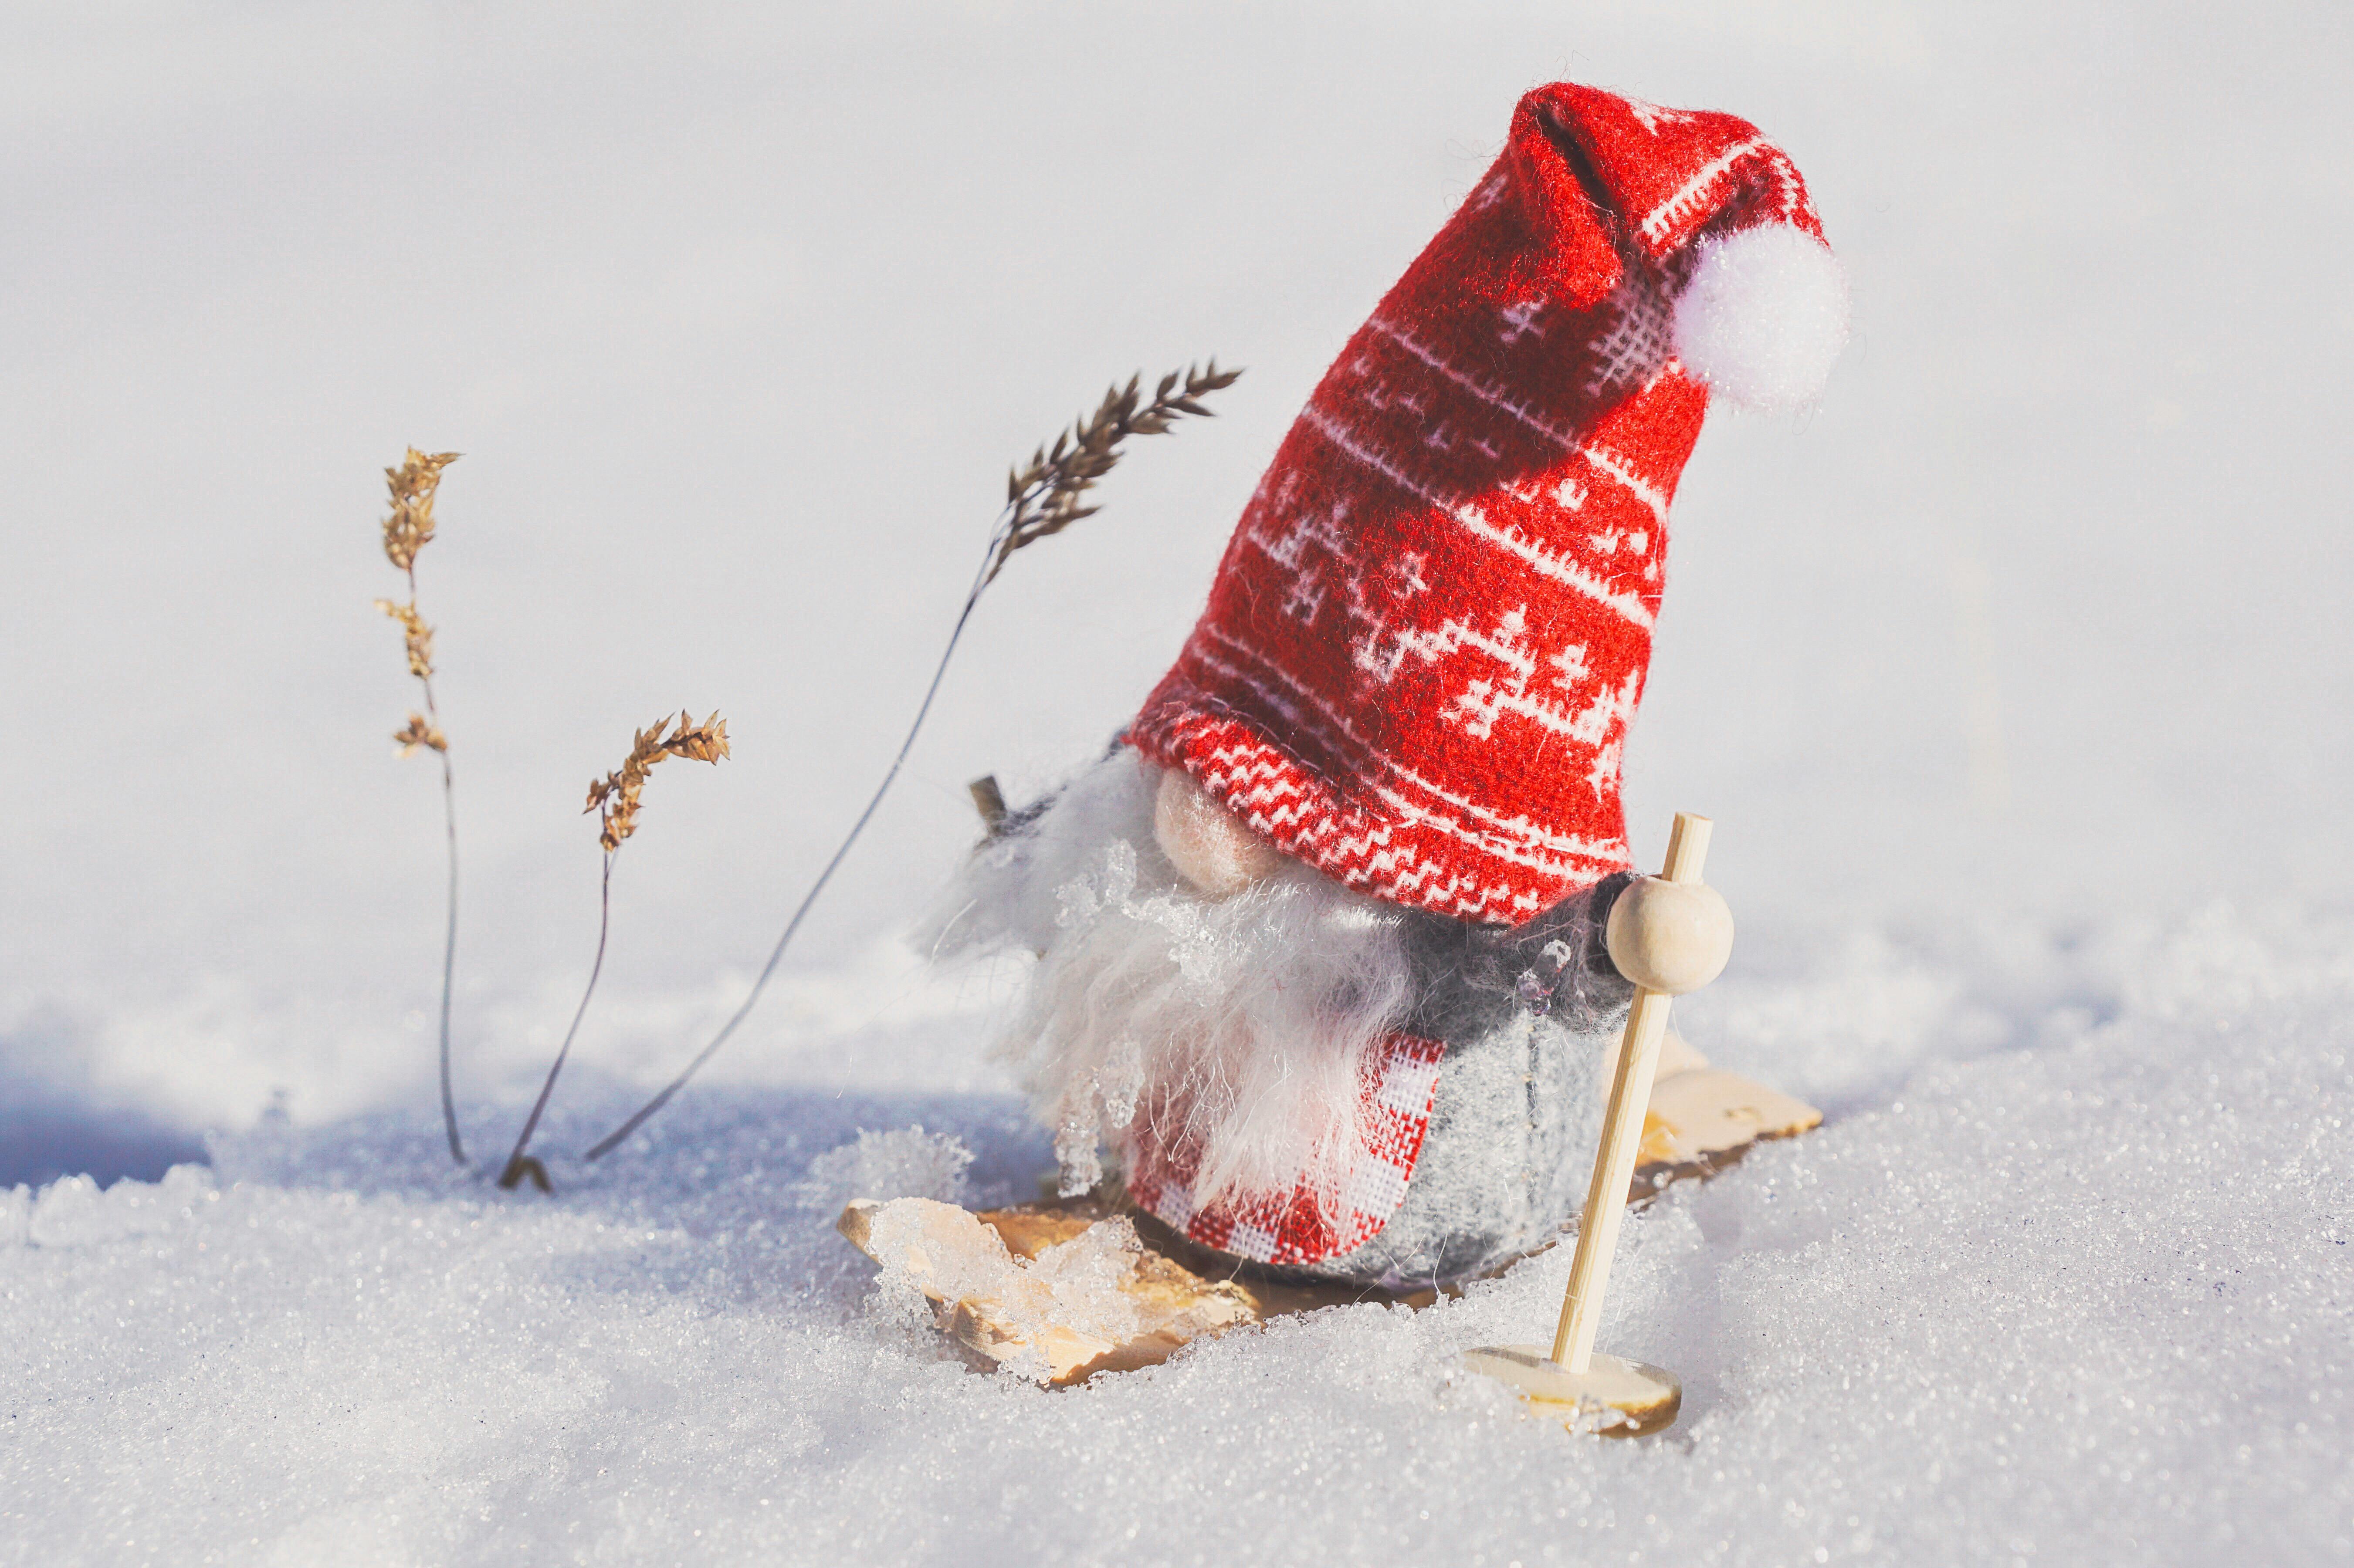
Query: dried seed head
point(1045, 497)
point(705, 742)
point(617, 792)
point(409, 528)
point(415, 634)
point(419, 732)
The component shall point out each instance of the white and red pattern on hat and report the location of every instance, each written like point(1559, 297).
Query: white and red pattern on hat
point(1429, 634)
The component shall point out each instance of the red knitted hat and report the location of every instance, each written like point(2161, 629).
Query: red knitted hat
point(1430, 632)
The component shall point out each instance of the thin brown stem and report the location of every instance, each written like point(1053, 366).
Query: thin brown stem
point(519, 1164)
point(450, 933)
point(450, 960)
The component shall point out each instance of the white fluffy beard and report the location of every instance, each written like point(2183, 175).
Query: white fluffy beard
point(1237, 1026)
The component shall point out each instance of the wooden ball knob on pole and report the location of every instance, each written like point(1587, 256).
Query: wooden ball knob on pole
point(1615, 1396)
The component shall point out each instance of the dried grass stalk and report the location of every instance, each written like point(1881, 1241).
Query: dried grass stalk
point(1042, 498)
point(407, 530)
point(618, 794)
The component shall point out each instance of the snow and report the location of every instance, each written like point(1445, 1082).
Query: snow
point(2014, 673)
point(907, 1163)
point(2077, 1289)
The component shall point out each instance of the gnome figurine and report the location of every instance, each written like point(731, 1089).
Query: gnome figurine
point(1321, 954)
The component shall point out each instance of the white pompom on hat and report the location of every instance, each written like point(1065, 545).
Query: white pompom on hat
point(1763, 316)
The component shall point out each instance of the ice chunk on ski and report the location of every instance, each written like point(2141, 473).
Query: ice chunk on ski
point(1081, 1296)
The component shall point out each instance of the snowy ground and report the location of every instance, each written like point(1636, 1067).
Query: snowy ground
point(2016, 677)
point(2066, 1279)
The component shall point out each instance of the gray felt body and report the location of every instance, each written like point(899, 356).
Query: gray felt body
point(1529, 1018)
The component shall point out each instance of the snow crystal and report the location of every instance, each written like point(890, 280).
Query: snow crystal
point(909, 1163)
point(944, 1253)
point(1085, 1275)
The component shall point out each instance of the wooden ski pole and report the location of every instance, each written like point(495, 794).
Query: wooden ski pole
point(1627, 1397)
point(1622, 1133)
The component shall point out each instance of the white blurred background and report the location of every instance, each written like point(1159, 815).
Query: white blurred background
point(738, 313)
